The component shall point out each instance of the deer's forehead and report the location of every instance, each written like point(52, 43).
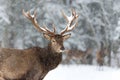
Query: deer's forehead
point(57, 37)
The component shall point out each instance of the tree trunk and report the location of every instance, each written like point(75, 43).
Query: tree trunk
point(5, 38)
point(109, 55)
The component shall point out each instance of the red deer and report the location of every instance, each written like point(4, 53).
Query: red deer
point(78, 56)
point(100, 55)
point(34, 63)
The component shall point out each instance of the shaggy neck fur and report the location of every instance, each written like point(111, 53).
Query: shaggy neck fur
point(48, 58)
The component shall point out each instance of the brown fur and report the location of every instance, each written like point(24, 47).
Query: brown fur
point(33, 63)
point(100, 55)
point(100, 58)
point(77, 55)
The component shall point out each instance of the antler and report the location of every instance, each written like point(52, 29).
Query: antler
point(32, 18)
point(70, 20)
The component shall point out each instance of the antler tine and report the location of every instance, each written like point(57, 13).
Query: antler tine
point(54, 28)
point(48, 31)
point(70, 20)
point(32, 18)
point(66, 17)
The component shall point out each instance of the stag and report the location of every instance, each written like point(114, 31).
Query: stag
point(34, 63)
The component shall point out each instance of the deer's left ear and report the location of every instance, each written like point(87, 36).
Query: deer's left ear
point(66, 36)
point(46, 36)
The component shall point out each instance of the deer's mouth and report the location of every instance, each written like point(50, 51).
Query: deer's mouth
point(61, 51)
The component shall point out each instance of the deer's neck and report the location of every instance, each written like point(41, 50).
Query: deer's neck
point(50, 59)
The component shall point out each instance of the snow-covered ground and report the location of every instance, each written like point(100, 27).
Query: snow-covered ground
point(83, 72)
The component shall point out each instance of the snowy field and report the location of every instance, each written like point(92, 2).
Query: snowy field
point(83, 72)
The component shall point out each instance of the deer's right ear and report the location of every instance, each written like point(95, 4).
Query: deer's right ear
point(46, 36)
point(66, 36)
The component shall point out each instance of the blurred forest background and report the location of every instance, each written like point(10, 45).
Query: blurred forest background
point(99, 21)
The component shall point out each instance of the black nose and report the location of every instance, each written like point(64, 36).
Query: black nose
point(62, 48)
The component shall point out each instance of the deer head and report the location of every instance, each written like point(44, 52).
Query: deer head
point(56, 40)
